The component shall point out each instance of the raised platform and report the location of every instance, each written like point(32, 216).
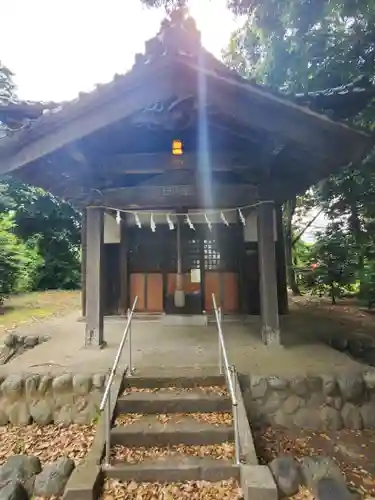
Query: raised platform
point(184, 320)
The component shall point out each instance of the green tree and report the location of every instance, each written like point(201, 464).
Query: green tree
point(321, 53)
point(19, 261)
point(55, 227)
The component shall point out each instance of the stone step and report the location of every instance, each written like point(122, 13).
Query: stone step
point(174, 469)
point(151, 431)
point(174, 381)
point(177, 401)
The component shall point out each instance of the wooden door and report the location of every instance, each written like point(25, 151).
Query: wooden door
point(154, 291)
point(225, 287)
point(138, 287)
point(149, 288)
point(211, 285)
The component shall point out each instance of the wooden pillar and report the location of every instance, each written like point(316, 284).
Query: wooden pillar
point(123, 267)
point(268, 275)
point(83, 262)
point(94, 277)
point(282, 289)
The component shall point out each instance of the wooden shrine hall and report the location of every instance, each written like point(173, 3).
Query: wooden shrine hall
point(180, 168)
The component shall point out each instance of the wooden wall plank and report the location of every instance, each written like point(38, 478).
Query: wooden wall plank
point(154, 292)
point(138, 287)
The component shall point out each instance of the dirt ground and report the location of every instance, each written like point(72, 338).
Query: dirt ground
point(353, 451)
point(317, 316)
point(22, 310)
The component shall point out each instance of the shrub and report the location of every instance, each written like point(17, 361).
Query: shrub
point(19, 262)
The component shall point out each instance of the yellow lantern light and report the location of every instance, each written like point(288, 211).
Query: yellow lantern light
point(177, 148)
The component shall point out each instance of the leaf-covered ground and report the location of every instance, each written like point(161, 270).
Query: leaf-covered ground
point(48, 442)
point(25, 309)
point(202, 490)
point(353, 451)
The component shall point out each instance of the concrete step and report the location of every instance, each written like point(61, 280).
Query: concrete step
point(177, 401)
point(174, 469)
point(174, 381)
point(151, 431)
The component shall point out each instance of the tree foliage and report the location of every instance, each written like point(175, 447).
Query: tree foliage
point(39, 234)
point(300, 48)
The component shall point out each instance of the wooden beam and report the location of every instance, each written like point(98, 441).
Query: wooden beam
point(160, 162)
point(259, 108)
point(189, 196)
point(70, 128)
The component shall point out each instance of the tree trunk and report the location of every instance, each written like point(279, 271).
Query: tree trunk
point(356, 227)
point(292, 282)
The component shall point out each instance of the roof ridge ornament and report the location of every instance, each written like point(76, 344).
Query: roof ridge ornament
point(178, 35)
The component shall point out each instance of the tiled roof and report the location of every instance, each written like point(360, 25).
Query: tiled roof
point(178, 36)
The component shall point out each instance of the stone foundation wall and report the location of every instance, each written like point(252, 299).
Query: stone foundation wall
point(325, 402)
point(46, 399)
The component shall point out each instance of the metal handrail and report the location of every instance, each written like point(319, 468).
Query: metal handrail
point(230, 375)
point(106, 399)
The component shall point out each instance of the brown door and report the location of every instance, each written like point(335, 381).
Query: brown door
point(225, 288)
point(211, 285)
point(138, 287)
point(149, 288)
point(154, 286)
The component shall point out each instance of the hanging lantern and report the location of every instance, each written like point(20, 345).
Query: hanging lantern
point(177, 148)
point(170, 222)
point(242, 217)
point(189, 223)
point(208, 222)
point(118, 217)
point(222, 216)
point(137, 220)
point(152, 223)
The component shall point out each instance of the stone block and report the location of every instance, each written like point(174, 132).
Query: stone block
point(257, 483)
point(63, 383)
point(273, 402)
point(10, 340)
point(335, 402)
point(31, 386)
point(329, 385)
point(82, 384)
point(13, 387)
point(21, 468)
point(328, 488)
point(52, 480)
point(298, 385)
point(313, 469)
point(258, 387)
point(287, 475)
point(45, 384)
point(18, 413)
point(351, 416)
point(351, 386)
point(331, 418)
point(292, 404)
point(41, 412)
point(368, 415)
point(315, 384)
point(283, 420)
point(98, 381)
point(13, 490)
point(307, 418)
point(369, 379)
point(278, 383)
point(30, 341)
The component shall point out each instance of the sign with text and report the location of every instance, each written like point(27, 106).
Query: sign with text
point(176, 191)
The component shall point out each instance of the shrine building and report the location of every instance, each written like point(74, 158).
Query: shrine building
point(180, 168)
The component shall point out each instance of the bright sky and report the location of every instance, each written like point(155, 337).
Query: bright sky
point(57, 48)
